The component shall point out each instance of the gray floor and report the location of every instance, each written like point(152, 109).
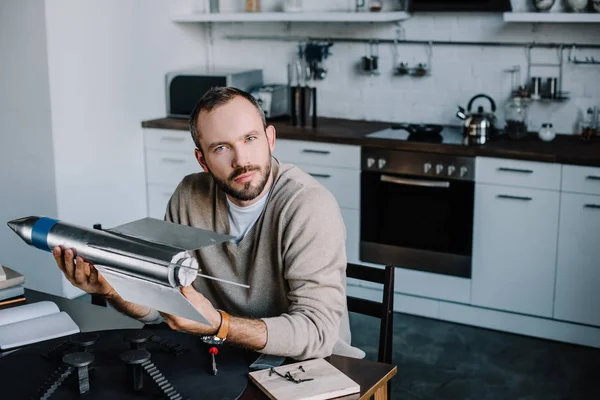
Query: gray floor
point(442, 360)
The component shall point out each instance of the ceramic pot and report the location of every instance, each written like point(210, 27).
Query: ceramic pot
point(543, 5)
point(577, 5)
point(547, 133)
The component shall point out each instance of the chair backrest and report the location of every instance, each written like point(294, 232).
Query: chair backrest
point(383, 310)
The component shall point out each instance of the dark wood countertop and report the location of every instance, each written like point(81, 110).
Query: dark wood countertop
point(564, 149)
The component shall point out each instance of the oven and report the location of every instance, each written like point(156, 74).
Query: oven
point(417, 210)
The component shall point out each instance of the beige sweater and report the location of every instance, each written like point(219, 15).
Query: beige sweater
point(293, 258)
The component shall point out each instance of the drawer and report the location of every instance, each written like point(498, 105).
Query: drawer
point(315, 153)
point(509, 172)
point(169, 168)
point(580, 179)
point(344, 184)
point(169, 140)
point(158, 198)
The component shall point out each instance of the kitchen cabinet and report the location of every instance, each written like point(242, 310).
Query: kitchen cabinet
point(577, 296)
point(514, 243)
point(337, 167)
point(169, 156)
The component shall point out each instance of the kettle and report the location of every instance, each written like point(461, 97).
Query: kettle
point(478, 127)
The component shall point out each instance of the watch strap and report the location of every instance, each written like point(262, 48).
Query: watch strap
point(224, 328)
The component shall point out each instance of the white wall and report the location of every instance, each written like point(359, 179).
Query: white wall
point(106, 62)
point(26, 156)
point(77, 78)
point(458, 72)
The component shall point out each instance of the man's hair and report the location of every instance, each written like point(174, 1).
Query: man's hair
point(216, 97)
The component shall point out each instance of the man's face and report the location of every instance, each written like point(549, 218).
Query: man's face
point(235, 149)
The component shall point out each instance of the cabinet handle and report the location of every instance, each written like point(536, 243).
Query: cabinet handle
point(320, 175)
point(593, 178)
point(173, 160)
point(521, 171)
point(507, 196)
point(172, 139)
point(324, 152)
point(597, 206)
point(414, 182)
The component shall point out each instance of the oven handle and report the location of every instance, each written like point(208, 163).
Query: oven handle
point(415, 182)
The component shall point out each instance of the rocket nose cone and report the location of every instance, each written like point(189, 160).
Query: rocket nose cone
point(13, 225)
point(23, 226)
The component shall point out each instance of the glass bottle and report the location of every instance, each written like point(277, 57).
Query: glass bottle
point(252, 5)
point(516, 118)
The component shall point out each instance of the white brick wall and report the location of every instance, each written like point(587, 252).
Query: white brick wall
point(458, 72)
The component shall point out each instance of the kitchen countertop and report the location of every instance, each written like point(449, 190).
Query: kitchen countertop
point(564, 149)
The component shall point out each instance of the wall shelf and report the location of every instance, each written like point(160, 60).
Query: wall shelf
point(295, 17)
point(552, 17)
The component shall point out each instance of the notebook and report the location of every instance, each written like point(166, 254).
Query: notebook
point(32, 323)
point(327, 381)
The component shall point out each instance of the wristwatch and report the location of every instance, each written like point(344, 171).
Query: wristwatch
point(222, 332)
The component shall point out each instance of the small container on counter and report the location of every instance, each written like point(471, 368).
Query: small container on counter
point(547, 133)
point(516, 118)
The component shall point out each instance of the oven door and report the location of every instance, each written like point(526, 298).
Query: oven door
point(417, 222)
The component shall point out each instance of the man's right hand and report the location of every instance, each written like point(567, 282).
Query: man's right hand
point(80, 273)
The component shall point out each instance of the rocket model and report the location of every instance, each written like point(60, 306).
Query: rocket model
point(146, 261)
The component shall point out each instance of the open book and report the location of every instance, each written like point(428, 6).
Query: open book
point(32, 323)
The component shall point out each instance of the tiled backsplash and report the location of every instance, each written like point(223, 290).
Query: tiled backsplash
point(458, 72)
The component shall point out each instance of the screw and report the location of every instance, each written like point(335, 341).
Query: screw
point(137, 338)
point(80, 360)
point(83, 341)
point(134, 360)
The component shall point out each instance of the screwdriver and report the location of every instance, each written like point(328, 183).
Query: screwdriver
point(213, 352)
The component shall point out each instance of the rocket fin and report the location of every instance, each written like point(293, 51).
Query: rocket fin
point(150, 294)
point(167, 233)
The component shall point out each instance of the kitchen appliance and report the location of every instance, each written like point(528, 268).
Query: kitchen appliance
point(459, 5)
point(185, 87)
point(428, 133)
point(417, 210)
point(478, 127)
point(274, 99)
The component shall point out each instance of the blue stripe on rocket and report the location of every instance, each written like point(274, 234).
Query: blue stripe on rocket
point(39, 233)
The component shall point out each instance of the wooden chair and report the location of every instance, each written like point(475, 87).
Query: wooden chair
point(383, 310)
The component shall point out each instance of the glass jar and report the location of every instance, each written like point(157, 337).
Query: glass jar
point(375, 5)
point(515, 114)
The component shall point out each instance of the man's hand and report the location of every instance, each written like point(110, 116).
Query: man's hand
point(205, 308)
point(81, 274)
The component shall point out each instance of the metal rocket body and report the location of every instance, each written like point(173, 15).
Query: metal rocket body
point(146, 261)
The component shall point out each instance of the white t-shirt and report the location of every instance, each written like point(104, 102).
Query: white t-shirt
point(241, 219)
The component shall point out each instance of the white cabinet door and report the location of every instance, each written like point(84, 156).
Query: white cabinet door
point(578, 267)
point(514, 249)
point(344, 184)
point(158, 198)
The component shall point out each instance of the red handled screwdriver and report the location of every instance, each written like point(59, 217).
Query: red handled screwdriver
point(213, 352)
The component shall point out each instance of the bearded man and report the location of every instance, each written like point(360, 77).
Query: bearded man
point(289, 241)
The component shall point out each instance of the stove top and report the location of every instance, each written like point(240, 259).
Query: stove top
point(422, 133)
